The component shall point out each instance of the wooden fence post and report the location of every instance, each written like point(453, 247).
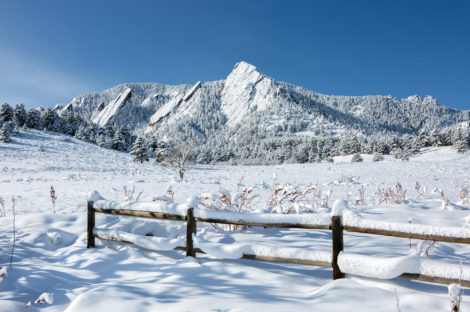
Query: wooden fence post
point(90, 225)
point(191, 227)
point(337, 237)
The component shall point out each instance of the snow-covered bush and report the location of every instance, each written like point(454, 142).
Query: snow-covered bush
point(5, 133)
point(356, 158)
point(290, 199)
point(378, 157)
point(239, 201)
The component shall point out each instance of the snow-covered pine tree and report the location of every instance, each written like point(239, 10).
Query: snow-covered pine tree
point(33, 119)
point(49, 118)
point(139, 151)
point(6, 112)
point(120, 139)
point(461, 145)
point(5, 133)
point(356, 158)
point(378, 157)
point(19, 115)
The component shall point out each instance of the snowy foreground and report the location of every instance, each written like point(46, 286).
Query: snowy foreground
point(51, 261)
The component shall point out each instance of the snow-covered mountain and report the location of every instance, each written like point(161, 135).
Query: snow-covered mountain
point(249, 101)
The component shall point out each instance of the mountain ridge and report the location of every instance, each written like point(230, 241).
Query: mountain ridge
point(279, 108)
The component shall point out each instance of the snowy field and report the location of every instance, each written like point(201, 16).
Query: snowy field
point(51, 257)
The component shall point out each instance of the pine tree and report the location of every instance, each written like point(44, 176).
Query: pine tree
point(5, 133)
point(461, 145)
point(19, 115)
point(33, 119)
point(6, 112)
point(139, 151)
point(378, 157)
point(49, 118)
point(356, 158)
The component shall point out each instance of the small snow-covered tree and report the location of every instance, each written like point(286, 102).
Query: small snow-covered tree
point(378, 157)
point(5, 133)
point(356, 158)
point(461, 145)
point(176, 157)
point(19, 115)
point(139, 151)
point(6, 112)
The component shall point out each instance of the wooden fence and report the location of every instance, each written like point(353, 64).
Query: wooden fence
point(336, 227)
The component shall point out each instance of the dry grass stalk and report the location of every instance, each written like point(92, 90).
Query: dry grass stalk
point(455, 296)
point(463, 193)
point(3, 210)
point(390, 196)
point(129, 194)
point(445, 202)
point(419, 190)
point(14, 230)
point(361, 200)
point(223, 200)
point(53, 197)
point(287, 199)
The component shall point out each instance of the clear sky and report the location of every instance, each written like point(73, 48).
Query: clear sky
point(52, 51)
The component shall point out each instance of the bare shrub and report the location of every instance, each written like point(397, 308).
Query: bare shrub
point(463, 193)
point(168, 197)
point(445, 201)
point(176, 157)
point(424, 247)
point(53, 197)
point(2, 209)
point(240, 201)
point(389, 195)
point(361, 200)
point(129, 194)
point(288, 199)
point(418, 190)
point(14, 230)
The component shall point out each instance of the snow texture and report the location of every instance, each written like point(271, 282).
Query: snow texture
point(147, 242)
point(353, 219)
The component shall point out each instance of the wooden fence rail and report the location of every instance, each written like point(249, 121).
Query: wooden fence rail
point(336, 227)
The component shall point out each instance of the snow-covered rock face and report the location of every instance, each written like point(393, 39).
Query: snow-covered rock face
point(111, 110)
point(245, 90)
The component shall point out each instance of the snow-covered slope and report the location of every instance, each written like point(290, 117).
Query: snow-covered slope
point(51, 257)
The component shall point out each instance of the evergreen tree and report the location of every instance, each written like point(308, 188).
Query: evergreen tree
point(378, 157)
point(49, 120)
point(139, 151)
point(33, 119)
point(6, 113)
point(461, 145)
point(19, 115)
point(122, 139)
point(356, 158)
point(5, 133)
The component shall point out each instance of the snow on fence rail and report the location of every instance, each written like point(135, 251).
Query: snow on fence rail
point(410, 267)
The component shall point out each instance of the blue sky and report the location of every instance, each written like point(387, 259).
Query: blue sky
point(52, 51)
